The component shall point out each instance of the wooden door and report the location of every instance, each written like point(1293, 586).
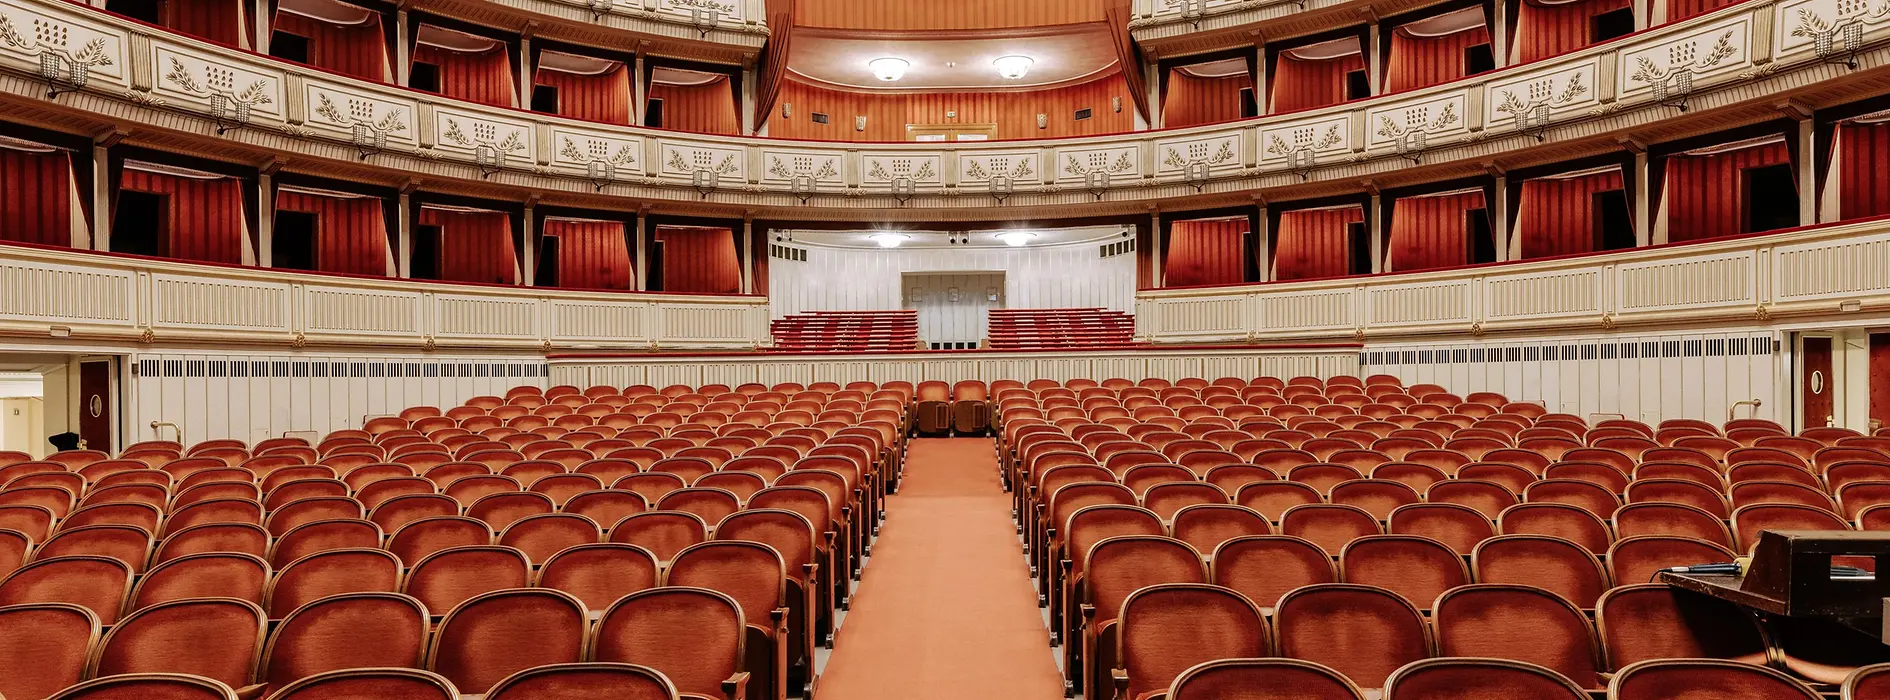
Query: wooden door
point(1815, 384)
point(95, 405)
point(1879, 380)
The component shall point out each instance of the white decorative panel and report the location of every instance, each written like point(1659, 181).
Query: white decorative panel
point(363, 311)
point(473, 316)
point(1324, 137)
point(580, 320)
point(188, 301)
point(708, 323)
point(1844, 267)
point(1799, 23)
point(1216, 316)
point(681, 159)
point(1122, 163)
point(1220, 150)
point(1543, 294)
point(1691, 282)
point(1710, 50)
point(780, 167)
point(1563, 89)
point(212, 83)
point(980, 167)
point(27, 33)
point(1305, 310)
point(1436, 117)
point(1433, 302)
point(340, 111)
point(724, 9)
point(66, 293)
point(879, 169)
point(1177, 7)
point(590, 153)
point(470, 134)
point(862, 279)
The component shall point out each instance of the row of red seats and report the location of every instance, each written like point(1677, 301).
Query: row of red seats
point(851, 331)
point(1024, 329)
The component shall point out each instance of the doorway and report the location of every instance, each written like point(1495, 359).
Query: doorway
point(97, 421)
point(953, 306)
point(1817, 387)
point(45, 394)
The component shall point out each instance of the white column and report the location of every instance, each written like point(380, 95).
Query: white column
point(1643, 13)
point(1260, 77)
point(1155, 250)
point(1499, 33)
point(1263, 237)
point(1643, 201)
point(530, 241)
point(636, 110)
point(265, 26)
point(747, 106)
point(102, 191)
point(643, 267)
point(1808, 173)
point(1153, 70)
point(266, 217)
point(403, 58)
point(1376, 229)
point(746, 246)
point(1507, 247)
point(525, 68)
point(1374, 54)
point(403, 258)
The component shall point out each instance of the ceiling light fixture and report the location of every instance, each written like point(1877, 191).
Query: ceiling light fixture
point(1015, 238)
point(889, 240)
point(1012, 67)
point(888, 69)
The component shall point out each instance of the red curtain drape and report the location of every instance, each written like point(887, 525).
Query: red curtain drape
point(603, 97)
point(1552, 30)
point(36, 197)
point(1431, 231)
point(772, 71)
point(708, 108)
point(359, 50)
point(219, 21)
point(1193, 100)
point(1212, 251)
point(475, 246)
point(591, 254)
point(484, 77)
point(1303, 84)
point(1861, 153)
point(1423, 61)
point(1313, 243)
point(1681, 9)
point(699, 260)
point(351, 233)
point(1704, 194)
point(1555, 215)
point(206, 214)
point(1117, 13)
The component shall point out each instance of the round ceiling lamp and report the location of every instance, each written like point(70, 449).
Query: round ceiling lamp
point(889, 240)
point(1012, 67)
point(1016, 239)
point(888, 69)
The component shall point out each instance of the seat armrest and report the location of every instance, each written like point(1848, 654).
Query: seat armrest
point(736, 687)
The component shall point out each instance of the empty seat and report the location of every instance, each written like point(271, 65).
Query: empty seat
point(365, 683)
point(1328, 525)
point(582, 681)
point(99, 584)
point(415, 540)
point(245, 538)
point(501, 509)
point(693, 636)
point(541, 536)
point(206, 575)
point(495, 634)
point(1479, 679)
point(1205, 526)
point(599, 574)
point(1262, 679)
point(1639, 559)
point(1168, 628)
point(448, 577)
point(1518, 623)
point(336, 571)
point(346, 631)
point(125, 543)
point(1648, 621)
point(1265, 567)
point(1362, 632)
point(321, 536)
point(224, 641)
point(1568, 522)
point(1557, 565)
point(1672, 520)
point(43, 647)
point(663, 533)
point(169, 686)
point(1704, 679)
point(1414, 567)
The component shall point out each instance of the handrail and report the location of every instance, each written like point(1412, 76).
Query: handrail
point(404, 130)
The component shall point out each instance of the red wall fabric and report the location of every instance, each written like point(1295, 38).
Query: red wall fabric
point(351, 234)
point(359, 50)
point(1863, 180)
point(708, 108)
point(1681, 9)
point(475, 246)
point(1210, 251)
point(219, 21)
point(1417, 62)
point(1552, 30)
point(1430, 232)
point(484, 77)
point(35, 197)
point(1193, 101)
point(1014, 113)
point(1314, 243)
point(1301, 84)
point(206, 216)
point(604, 97)
point(699, 260)
point(591, 254)
point(1556, 216)
point(959, 14)
point(1704, 194)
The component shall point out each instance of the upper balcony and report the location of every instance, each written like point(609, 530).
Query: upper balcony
point(1731, 66)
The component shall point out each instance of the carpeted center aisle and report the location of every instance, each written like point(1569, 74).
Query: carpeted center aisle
point(945, 610)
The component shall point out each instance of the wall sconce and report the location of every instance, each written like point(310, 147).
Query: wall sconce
point(488, 159)
point(1097, 182)
point(703, 20)
point(599, 8)
point(1197, 173)
point(953, 295)
point(600, 173)
point(367, 140)
point(1673, 89)
point(1411, 144)
point(1534, 122)
point(1043, 121)
point(58, 70)
point(802, 186)
point(704, 181)
point(903, 188)
point(859, 123)
point(1115, 103)
point(1001, 188)
point(787, 110)
point(228, 113)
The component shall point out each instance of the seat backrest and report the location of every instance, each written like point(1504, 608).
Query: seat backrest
point(598, 574)
point(788, 533)
point(1265, 567)
point(1453, 679)
point(1638, 559)
point(1119, 566)
point(1646, 621)
point(1519, 623)
point(752, 573)
point(1361, 631)
point(1168, 628)
point(44, 647)
point(497, 633)
point(1328, 525)
point(1415, 567)
point(1558, 565)
point(217, 638)
point(125, 543)
point(99, 584)
point(1727, 680)
point(206, 575)
point(169, 686)
point(1262, 679)
point(1458, 527)
point(541, 536)
point(351, 630)
point(1568, 522)
point(1205, 526)
point(319, 575)
point(403, 683)
point(448, 577)
point(694, 636)
point(590, 680)
point(321, 536)
point(663, 532)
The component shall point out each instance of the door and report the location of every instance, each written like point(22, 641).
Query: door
point(951, 132)
point(96, 425)
point(1815, 383)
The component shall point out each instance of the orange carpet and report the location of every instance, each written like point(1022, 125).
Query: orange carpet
point(945, 610)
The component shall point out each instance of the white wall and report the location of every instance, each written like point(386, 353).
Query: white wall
point(1647, 377)
point(861, 279)
point(22, 425)
point(251, 397)
point(942, 320)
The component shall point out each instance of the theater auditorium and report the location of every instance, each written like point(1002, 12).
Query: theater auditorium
point(944, 350)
